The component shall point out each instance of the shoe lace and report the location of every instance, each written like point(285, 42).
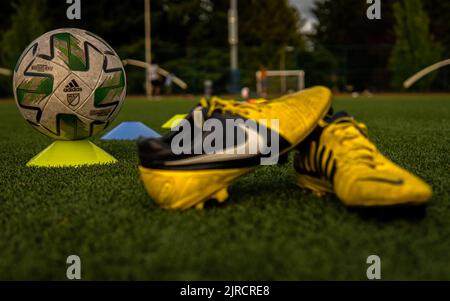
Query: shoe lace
point(231, 106)
point(359, 149)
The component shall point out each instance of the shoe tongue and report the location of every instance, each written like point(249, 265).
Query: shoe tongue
point(337, 117)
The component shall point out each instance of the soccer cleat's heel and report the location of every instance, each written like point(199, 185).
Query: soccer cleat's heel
point(182, 189)
point(317, 186)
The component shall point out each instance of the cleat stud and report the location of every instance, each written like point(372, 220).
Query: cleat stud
point(199, 206)
point(221, 195)
point(318, 194)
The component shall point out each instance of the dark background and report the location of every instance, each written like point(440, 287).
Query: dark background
point(190, 38)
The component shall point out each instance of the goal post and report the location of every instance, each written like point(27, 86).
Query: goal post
point(176, 80)
point(5, 72)
point(413, 79)
point(285, 80)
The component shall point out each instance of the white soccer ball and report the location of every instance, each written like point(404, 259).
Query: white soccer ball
point(69, 84)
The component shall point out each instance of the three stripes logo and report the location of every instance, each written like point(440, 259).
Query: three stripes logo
point(72, 86)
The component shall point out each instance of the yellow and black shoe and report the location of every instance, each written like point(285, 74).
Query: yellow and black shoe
point(339, 158)
point(189, 178)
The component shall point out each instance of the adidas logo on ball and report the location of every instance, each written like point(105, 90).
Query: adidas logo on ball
point(72, 86)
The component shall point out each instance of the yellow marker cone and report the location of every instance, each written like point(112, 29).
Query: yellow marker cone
point(174, 121)
point(71, 154)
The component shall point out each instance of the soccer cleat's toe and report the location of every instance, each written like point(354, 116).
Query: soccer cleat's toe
point(300, 112)
point(389, 186)
point(221, 196)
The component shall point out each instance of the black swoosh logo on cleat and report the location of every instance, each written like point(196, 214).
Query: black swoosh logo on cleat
point(383, 180)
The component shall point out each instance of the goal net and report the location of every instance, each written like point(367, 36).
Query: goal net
point(280, 82)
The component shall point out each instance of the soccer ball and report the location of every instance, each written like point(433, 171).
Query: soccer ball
point(69, 84)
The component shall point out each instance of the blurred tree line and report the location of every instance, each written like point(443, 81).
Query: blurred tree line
point(381, 54)
point(190, 39)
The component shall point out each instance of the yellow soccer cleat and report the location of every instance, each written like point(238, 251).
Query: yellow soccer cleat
point(339, 158)
point(179, 171)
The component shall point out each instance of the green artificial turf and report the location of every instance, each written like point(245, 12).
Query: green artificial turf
point(268, 229)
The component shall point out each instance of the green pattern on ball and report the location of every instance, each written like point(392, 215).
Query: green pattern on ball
point(72, 128)
point(71, 52)
point(98, 127)
point(110, 89)
point(33, 91)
